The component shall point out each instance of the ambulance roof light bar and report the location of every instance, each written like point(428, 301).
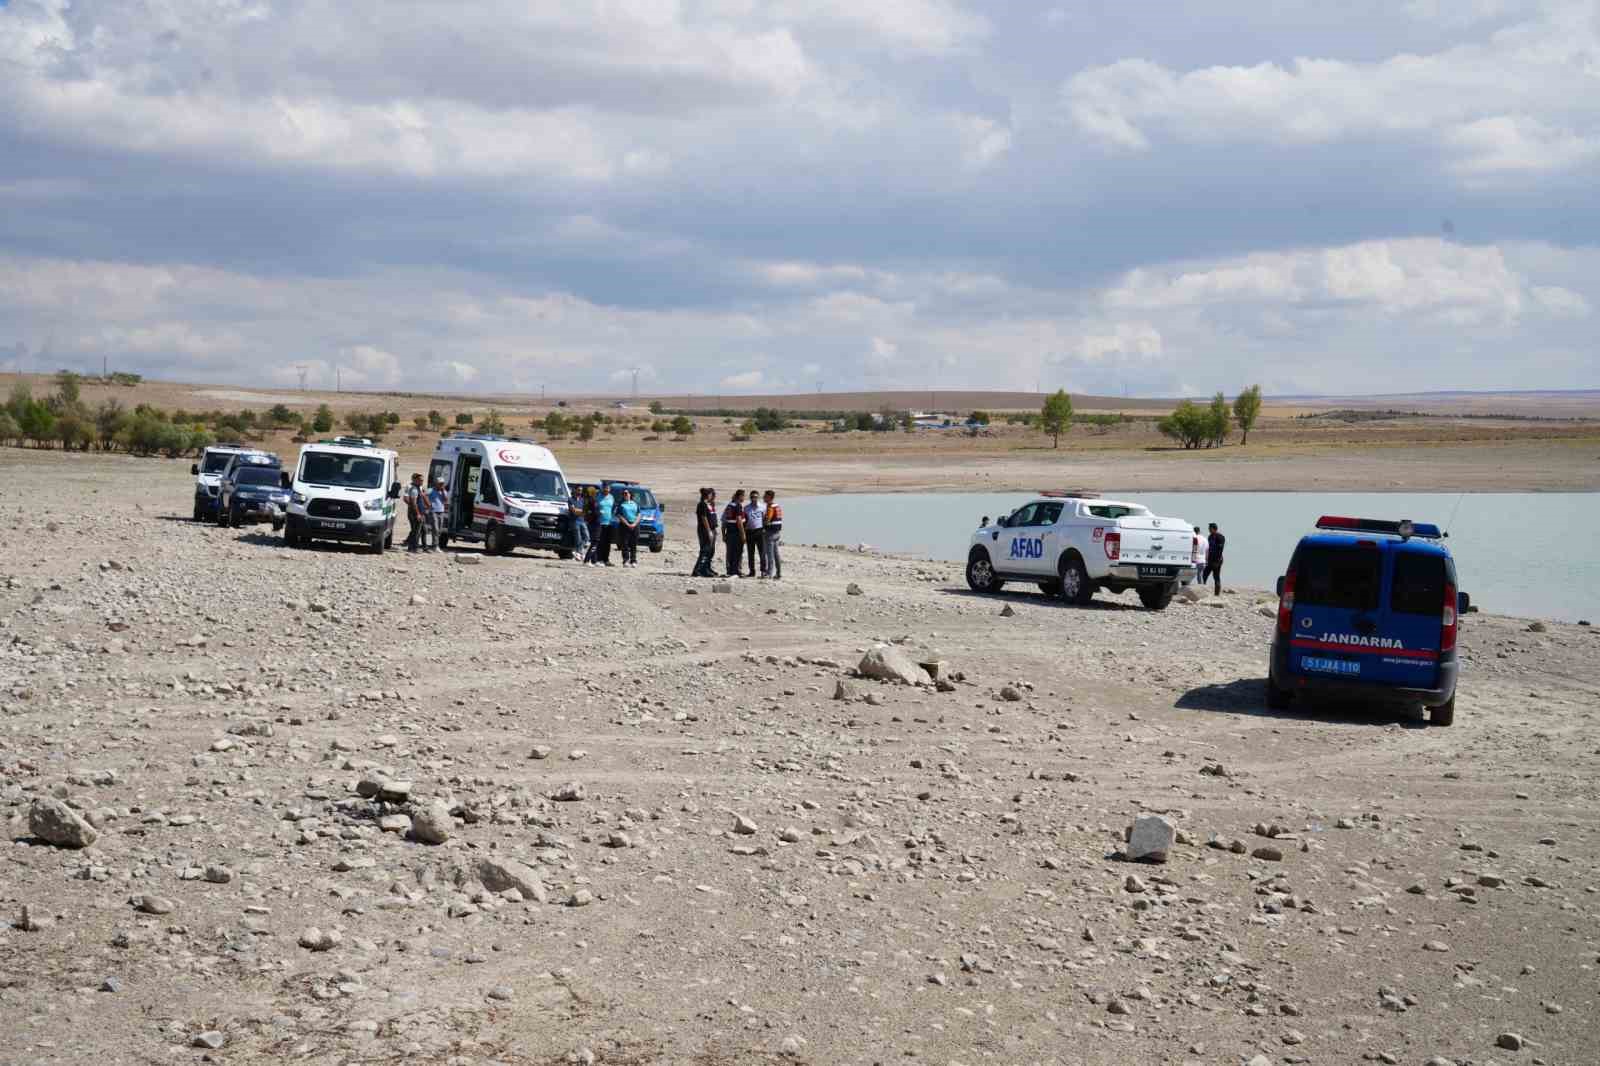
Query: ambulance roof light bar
point(1404, 529)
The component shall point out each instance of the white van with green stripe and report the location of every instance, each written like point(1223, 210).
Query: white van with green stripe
point(343, 489)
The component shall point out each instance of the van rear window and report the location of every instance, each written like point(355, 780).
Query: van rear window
point(1338, 577)
point(1418, 583)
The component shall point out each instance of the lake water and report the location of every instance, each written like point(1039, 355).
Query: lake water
point(1529, 554)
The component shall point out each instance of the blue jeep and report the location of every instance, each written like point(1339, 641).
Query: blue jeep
point(1371, 608)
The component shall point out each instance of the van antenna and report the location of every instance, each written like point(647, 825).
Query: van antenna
point(1456, 510)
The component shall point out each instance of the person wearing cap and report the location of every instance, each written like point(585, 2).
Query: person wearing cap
point(414, 495)
point(733, 531)
point(438, 506)
point(705, 527)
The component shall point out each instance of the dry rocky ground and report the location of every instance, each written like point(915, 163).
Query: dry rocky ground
point(664, 840)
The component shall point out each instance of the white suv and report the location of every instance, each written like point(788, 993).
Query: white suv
point(1072, 545)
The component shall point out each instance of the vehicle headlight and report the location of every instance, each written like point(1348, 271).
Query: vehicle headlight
point(516, 512)
point(374, 504)
point(298, 497)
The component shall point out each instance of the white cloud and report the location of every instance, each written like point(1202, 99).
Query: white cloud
point(749, 379)
point(464, 373)
point(1523, 100)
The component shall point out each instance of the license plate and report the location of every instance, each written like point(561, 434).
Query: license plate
point(1157, 571)
point(1329, 666)
point(549, 536)
point(325, 524)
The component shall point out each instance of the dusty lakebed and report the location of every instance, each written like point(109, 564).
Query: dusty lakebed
point(666, 841)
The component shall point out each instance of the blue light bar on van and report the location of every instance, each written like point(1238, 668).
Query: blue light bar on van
point(1403, 528)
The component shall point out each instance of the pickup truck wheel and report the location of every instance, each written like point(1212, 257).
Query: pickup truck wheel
point(1075, 586)
point(980, 572)
point(1445, 713)
point(1278, 699)
point(1050, 588)
point(1156, 597)
point(199, 512)
point(375, 543)
point(564, 555)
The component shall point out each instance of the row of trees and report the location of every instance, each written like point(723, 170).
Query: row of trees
point(63, 418)
point(1194, 426)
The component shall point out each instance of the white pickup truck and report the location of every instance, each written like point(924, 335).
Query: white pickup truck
point(1072, 545)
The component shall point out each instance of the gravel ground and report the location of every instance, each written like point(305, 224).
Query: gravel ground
point(663, 839)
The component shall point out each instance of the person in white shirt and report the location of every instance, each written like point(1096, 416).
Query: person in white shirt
point(755, 540)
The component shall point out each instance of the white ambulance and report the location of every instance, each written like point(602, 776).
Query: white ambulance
point(343, 489)
point(504, 492)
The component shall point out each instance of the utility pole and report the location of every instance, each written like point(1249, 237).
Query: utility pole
point(336, 379)
point(301, 369)
point(635, 383)
point(105, 369)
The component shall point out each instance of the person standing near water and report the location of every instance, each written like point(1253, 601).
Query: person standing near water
point(772, 526)
point(755, 539)
point(705, 528)
point(733, 531)
point(1214, 545)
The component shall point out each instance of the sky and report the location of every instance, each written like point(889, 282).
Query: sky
point(797, 195)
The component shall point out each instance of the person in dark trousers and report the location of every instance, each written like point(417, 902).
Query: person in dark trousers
point(628, 528)
point(733, 531)
point(416, 500)
point(605, 508)
point(755, 539)
point(591, 518)
point(1214, 545)
point(772, 526)
point(580, 527)
point(705, 527)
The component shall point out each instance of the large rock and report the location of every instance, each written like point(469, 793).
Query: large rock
point(498, 875)
point(1151, 838)
point(885, 662)
point(55, 823)
point(1194, 593)
point(431, 825)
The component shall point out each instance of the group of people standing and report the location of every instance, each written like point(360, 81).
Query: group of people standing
point(1212, 568)
point(752, 530)
point(425, 510)
point(608, 521)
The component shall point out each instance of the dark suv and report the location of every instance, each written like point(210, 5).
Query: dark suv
point(252, 491)
point(1371, 608)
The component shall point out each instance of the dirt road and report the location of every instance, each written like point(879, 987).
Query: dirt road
point(666, 841)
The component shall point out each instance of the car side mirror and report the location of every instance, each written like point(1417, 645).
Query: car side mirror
point(1280, 588)
point(394, 490)
point(1463, 604)
point(1003, 521)
point(284, 480)
point(194, 468)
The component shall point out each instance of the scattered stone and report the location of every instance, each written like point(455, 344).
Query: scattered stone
point(464, 559)
point(885, 662)
point(1150, 838)
point(1133, 883)
point(154, 905)
point(853, 589)
point(418, 599)
point(1510, 1041)
point(211, 1039)
point(1011, 694)
point(541, 751)
point(218, 875)
point(314, 939)
point(432, 824)
point(571, 792)
point(1267, 854)
point(1007, 612)
point(725, 587)
point(500, 875)
point(1537, 627)
point(845, 690)
point(744, 826)
point(1436, 945)
point(55, 823)
point(581, 898)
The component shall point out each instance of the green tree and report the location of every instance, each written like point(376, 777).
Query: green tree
point(358, 422)
point(1246, 409)
point(69, 388)
point(1219, 421)
point(1188, 424)
point(660, 425)
point(683, 426)
point(586, 428)
point(421, 422)
point(8, 427)
point(391, 418)
point(435, 421)
point(322, 421)
point(657, 407)
point(748, 428)
point(463, 418)
point(555, 424)
point(979, 417)
point(109, 419)
point(1056, 415)
point(493, 423)
point(770, 419)
point(280, 415)
point(37, 422)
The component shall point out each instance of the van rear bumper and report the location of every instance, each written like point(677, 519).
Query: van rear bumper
point(1290, 681)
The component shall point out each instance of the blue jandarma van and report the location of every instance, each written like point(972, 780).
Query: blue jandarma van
point(1369, 607)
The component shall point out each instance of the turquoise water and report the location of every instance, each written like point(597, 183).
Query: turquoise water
point(1530, 554)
